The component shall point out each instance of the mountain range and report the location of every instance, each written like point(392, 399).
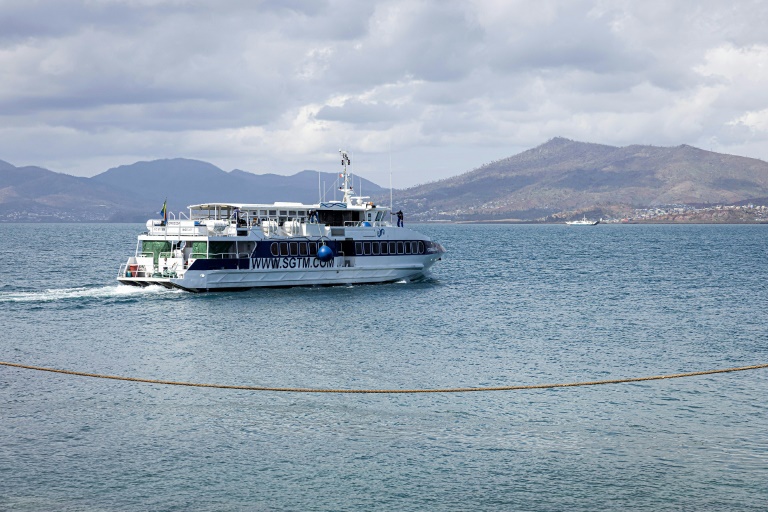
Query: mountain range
point(565, 178)
point(557, 179)
point(133, 193)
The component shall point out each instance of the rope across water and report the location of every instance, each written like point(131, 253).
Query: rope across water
point(385, 391)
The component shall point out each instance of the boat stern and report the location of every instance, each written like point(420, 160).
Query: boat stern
point(142, 271)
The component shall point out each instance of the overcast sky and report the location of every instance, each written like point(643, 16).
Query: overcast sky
point(442, 87)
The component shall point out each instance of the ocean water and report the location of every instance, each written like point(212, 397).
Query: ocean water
point(508, 305)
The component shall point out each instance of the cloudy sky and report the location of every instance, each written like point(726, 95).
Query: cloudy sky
point(436, 87)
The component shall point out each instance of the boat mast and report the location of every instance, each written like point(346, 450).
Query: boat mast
point(346, 186)
point(390, 176)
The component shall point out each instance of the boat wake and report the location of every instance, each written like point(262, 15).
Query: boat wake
point(104, 292)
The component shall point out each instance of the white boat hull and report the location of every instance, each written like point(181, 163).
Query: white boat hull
point(583, 222)
point(338, 274)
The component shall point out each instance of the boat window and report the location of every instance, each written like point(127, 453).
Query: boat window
point(358, 248)
point(283, 213)
point(367, 248)
point(399, 247)
point(379, 215)
point(421, 247)
point(313, 248)
point(272, 213)
point(273, 249)
point(283, 248)
point(384, 248)
point(294, 246)
point(303, 250)
point(392, 248)
point(375, 248)
point(292, 213)
point(407, 247)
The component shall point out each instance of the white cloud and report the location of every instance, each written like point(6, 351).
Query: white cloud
point(276, 86)
point(755, 121)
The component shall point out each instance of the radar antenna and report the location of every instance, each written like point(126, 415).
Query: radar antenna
point(346, 186)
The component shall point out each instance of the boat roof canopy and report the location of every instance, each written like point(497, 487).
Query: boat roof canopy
point(328, 205)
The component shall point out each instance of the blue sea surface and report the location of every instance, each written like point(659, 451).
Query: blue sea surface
point(508, 305)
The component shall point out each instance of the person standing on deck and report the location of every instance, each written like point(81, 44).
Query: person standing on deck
point(399, 218)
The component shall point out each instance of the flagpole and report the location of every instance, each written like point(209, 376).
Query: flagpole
point(390, 176)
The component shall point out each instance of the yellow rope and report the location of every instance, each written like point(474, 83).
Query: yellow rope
point(436, 390)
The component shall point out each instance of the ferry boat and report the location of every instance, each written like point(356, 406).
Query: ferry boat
point(234, 246)
point(583, 222)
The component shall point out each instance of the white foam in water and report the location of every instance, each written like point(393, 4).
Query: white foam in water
point(80, 293)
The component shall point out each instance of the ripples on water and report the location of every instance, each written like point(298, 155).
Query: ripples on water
point(509, 305)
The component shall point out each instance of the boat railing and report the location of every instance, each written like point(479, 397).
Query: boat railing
point(364, 224)
point(227, 255)
point(199, 255)
point(133, 270)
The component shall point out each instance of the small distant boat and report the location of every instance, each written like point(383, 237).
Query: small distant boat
point(582, 222)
